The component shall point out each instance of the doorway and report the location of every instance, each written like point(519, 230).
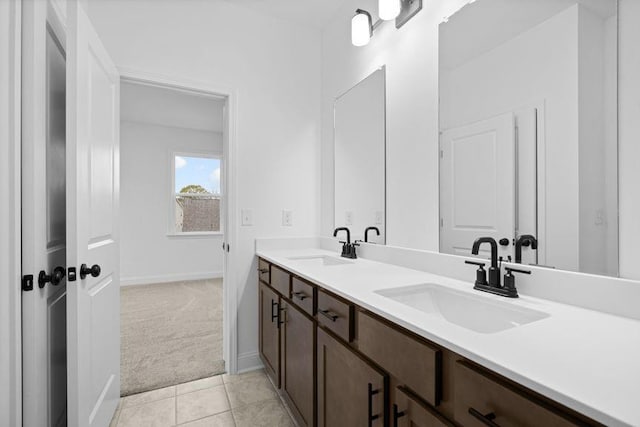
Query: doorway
point(172, 163)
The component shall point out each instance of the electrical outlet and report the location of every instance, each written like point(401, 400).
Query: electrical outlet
point(348, 218)
point(287, 218)
point(247, 217)
point(378, 218)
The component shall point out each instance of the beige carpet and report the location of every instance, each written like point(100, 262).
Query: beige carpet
point(171, 333)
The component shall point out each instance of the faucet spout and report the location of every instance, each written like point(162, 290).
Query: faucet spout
point(335, 233)
point(366, 233)
point(524, 240)
point(494, 249)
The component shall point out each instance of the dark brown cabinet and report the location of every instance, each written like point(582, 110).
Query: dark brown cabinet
point(269, 336)
point(351, 392)
point(298, 335)
point(338, 364)
point(408, 410)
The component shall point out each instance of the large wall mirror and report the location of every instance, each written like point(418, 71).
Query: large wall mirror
point(528, 131)
point(360, 141)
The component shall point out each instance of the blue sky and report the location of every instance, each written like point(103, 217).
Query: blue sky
point(199, 171)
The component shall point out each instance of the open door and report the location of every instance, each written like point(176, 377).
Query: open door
point(477, 190)
point(93, 298)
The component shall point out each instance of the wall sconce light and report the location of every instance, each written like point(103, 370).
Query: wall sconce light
point(361, 28)
point(362, 25)
point(389, 9)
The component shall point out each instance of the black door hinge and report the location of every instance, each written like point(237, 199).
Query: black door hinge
point(27, 282)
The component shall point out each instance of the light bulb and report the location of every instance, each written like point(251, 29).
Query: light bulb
point(360, 29)
point(388, 9)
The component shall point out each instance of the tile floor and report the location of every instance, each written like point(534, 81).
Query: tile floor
point(222, 401)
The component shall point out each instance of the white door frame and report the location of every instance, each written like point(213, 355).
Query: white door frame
point(10, 221)
point(229, 289)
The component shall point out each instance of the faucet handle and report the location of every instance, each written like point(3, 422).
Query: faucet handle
point(510, 280)
point(481, 274)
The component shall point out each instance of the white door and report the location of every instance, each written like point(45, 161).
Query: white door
point(477, 191)
point(93, 300)
point(43, 217)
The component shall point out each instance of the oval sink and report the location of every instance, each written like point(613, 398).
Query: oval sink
point(469, 311)
point(321, 260)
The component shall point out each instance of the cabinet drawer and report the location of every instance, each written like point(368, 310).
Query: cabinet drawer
point(409, 410)
point(336, 315)
point(280, 280)
point(264, 271)
point(412, 362)
point(302, 295)
point(480, 396)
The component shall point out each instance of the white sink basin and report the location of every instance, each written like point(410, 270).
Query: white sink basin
point(321, 260)
point(477, 313)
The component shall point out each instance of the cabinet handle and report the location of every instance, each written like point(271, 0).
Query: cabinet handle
point(397, 414)
point(371, 393)
point(300, 295)
point(263, 270)
point(275, 315)
point(329, 315)
point(484, 419)
point(280, 311)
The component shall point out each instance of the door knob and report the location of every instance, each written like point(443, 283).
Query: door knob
point(504, 241)
point(94, 271)
point(55, 278)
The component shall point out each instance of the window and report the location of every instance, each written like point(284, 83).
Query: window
point(196, 194)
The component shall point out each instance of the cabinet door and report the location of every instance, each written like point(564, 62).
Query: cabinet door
point(351, 392)
point(297, 363)
point(410, 411)
point(270, 332)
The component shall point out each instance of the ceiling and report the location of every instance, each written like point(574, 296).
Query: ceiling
point(170, 107)
point(316, 13)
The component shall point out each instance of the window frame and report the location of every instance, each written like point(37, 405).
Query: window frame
point(172, 232)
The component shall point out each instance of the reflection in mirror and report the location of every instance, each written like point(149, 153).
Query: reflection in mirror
point(528, 131)
point(360, 135)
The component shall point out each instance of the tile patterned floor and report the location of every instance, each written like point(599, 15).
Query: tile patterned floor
point(246, 400)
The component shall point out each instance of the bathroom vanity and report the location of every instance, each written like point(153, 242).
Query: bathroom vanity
point(359, 342)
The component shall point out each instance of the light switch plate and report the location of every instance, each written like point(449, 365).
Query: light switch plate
point(348, 218)
point(247, 217)
point(378, 218)
point(409, 9)
point(287, 218)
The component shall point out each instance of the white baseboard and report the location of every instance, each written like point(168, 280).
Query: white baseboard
point(145, 280)
point(249, 362)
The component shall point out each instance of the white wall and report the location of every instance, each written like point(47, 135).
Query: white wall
point(629, 134)
point(10, 294)
point(274, 69)
point(148, 254)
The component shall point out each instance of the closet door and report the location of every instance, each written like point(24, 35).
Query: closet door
point(477, 190)
point(93, 299)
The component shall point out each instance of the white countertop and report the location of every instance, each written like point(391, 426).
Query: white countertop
point(586, 360)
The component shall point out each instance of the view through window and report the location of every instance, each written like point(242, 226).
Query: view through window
point(197, 194)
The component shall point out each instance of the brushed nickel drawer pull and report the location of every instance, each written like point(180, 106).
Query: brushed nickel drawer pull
point(484, 419)
point(329, 315)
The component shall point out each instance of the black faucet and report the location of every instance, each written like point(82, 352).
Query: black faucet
point(494, 270)
point(524, 240)
point(348, 248)
point(366, 233)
